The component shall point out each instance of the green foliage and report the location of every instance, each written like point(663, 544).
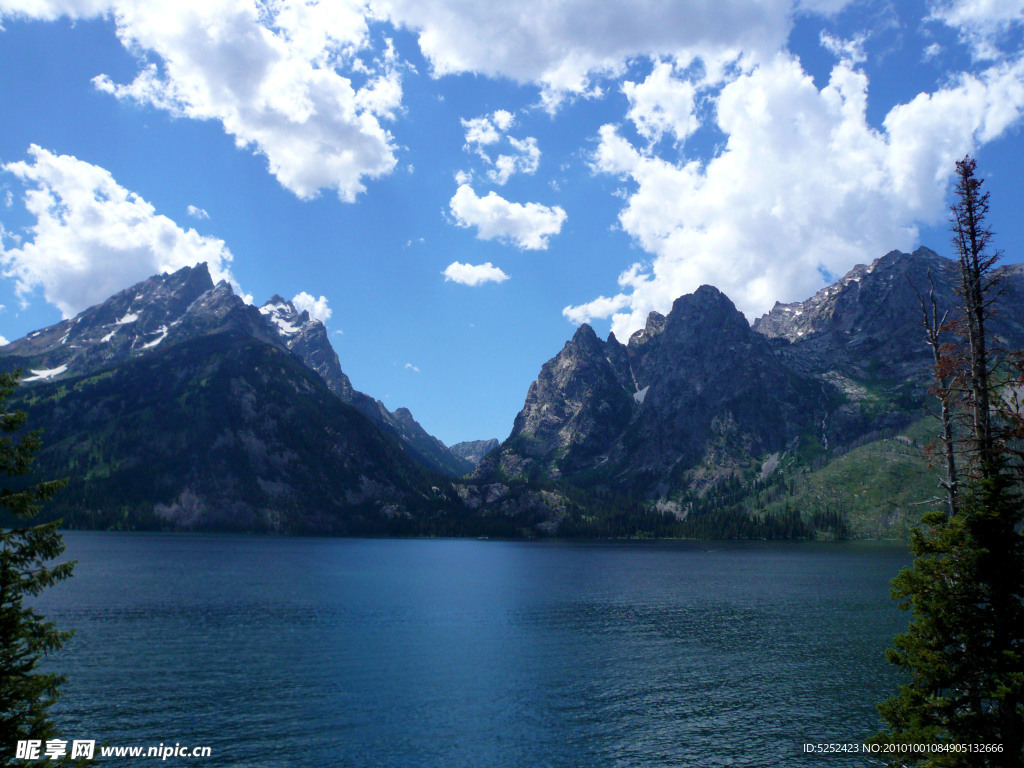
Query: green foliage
point(25, 636)
point(964, 649)
point(878, 486)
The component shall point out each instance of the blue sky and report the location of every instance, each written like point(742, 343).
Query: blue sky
point(454, 185)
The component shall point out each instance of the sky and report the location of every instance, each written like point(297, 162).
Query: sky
point(453, 186)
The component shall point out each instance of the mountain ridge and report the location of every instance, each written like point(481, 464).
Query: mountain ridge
point(174, 307)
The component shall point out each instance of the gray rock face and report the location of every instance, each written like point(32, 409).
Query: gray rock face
point(474, 451)
point(868, 324)
point(307, 338)
point(697, 393)
point(637, 415)
point(573, 411)
point(711, 383)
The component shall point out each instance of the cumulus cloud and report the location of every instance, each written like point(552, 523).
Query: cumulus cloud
point(527, 227)
point(981, 23)
point(281, 78)
point(92, 237)
point(804, 186)
point(662, 104)
point(197, 213)
point(563, 45)
point(317, 308)
point(473, 274)
point(526, 159)
point(3, 341)
point(482, 132)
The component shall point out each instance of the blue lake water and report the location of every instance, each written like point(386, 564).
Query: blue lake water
point(343, 652)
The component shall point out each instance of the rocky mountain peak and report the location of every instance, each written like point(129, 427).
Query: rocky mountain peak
point(168, 309)
point(706, 309)
point(585, 340)
point(654, 326)
point(129, 323)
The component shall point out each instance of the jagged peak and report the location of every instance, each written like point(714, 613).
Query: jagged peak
point(584, 333)
point(655, 322)
point(697, 305)
point(202, 268)
point(277, 300)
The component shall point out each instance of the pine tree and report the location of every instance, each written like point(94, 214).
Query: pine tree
point(26, 693)
point(964, 648)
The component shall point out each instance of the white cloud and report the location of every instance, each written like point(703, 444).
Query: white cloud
point(562, 45)
point(662, 104)
point(490, 129)
point(526, 226)
point(197, 213)
point(3, 341)
point(503, 119)
point(850, 51)
point(981, 23)
point(93, 238)
point(473, 274)
point(803, 186)
point(602, 306)
point(317, 308)
point(480, 131)
point(525, 160)
point(278, 77)
point(411, 367)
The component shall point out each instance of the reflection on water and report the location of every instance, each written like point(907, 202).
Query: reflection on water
point(282, 652)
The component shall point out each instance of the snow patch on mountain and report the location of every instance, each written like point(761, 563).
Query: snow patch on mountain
point(48, 373)
point(161, 337)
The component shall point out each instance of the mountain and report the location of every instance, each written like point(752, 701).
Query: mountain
point(161, 311)
point(176, 404)
point(473, 451)
point(701, 420)
point(686, 401)
point(868, 324)
point(307, 338)
point(169, 309)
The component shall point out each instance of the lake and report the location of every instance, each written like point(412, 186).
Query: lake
point(363, 652)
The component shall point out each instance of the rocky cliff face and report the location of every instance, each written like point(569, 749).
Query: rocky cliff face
point(868, 324)
point(698, 396)
point(696, 387)
point(574, 410)
point(307, 338)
